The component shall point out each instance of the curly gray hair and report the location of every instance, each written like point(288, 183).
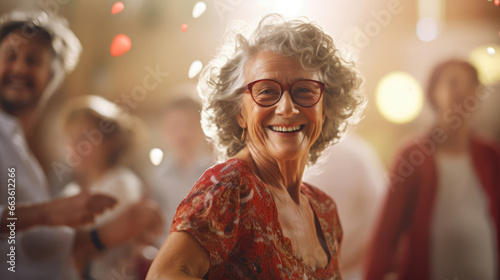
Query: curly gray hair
point(222, 80)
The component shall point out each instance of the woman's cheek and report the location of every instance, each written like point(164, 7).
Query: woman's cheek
point(257, 134)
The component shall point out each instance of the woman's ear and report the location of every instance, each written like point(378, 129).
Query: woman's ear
point(241, 120)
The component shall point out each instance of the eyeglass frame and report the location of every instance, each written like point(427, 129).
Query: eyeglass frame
point(287, 88)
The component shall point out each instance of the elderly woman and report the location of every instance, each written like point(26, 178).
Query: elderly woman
point(270, 108)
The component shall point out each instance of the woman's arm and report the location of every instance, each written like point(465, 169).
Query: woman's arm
point(181, 257)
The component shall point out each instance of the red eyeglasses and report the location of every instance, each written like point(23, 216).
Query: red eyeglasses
point(305, 93)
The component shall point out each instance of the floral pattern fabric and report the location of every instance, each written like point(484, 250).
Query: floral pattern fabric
point(233, 216)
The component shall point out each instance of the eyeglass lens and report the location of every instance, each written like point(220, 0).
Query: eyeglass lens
point(304, 93)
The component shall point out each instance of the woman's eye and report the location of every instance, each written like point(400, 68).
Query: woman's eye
point(302, 90)
point(268, 92)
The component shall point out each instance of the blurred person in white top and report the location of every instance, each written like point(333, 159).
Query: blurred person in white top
point(103, 168)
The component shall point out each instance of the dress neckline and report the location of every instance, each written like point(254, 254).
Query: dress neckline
point(320, 233)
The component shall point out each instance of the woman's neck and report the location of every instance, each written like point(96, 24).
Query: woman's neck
point(284, 175)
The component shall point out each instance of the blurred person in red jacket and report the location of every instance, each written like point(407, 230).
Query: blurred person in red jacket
point(441, 214)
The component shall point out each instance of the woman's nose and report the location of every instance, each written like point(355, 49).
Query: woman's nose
point(286, 107)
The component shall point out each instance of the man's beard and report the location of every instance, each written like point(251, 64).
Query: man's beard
point(16, 106)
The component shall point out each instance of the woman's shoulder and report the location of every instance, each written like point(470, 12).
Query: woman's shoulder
point(228, 184)
point(317, 195)
point(223, 188)
point(231, 174)
point(229, 166)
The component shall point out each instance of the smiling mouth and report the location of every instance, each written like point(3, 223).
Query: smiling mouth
point(17, 82)
point(284, 129)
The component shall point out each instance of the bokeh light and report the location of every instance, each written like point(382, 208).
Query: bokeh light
point(184, 27)
point(149, 252)
point(195, 69)
point(399, 97)
point(199, 8)
point(427, 29)
point(120, 45)
point(488, 65)
point(491, 51)
point(117, 7)
point(156, 156)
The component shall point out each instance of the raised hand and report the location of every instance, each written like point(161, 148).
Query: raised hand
point(77, 210)
point(141, 218)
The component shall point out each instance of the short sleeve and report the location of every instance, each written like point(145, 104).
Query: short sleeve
point(211, 211)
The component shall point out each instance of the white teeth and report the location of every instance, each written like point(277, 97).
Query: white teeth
point(285, 129)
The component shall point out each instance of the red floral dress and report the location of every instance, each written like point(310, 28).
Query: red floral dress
point(233, 216)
